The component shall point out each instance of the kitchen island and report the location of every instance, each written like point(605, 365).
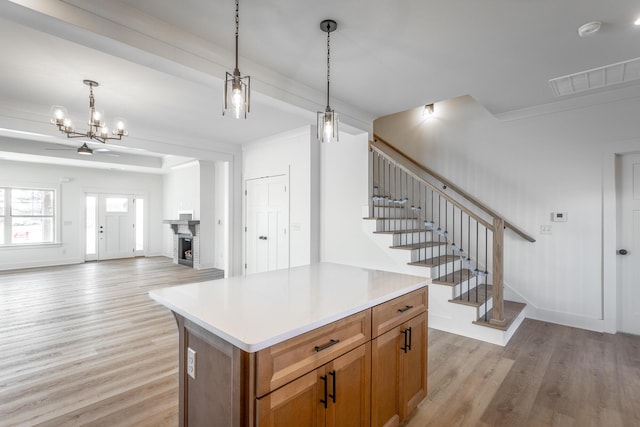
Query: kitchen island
point(312, 345)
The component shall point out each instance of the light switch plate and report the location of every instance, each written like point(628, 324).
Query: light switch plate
point(545, 229)
point(191, 362)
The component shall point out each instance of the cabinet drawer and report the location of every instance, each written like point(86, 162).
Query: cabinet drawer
point(390, 314)
point(288, 360)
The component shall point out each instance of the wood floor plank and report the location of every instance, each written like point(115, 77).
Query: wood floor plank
point(84, 345)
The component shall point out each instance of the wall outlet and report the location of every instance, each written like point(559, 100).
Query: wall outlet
point(545, 229)
point(559, 216)
point(191, 362)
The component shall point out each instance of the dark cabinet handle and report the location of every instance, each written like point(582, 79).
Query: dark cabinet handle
point(406, 307)
point(333, 379)
point(405, 347)
point(410, 337)
point(327, 345)
point(623, 252)
point(324, 401)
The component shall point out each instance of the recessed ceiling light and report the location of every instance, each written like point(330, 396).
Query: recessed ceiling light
point(589, 28)
point(636, 22)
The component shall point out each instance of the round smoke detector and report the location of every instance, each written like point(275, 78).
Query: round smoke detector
point(589, 28)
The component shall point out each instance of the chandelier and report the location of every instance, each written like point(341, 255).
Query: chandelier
point(98, 129)
point(328, 119)
point(237, 88)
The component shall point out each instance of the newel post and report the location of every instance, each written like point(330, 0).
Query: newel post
point(497, 318)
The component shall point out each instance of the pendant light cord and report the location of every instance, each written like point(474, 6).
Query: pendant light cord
point(237, 27)
point(328, 60)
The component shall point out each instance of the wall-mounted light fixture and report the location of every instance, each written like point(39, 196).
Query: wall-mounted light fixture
point(237, 88)
point(328, 119)
point(428, 111)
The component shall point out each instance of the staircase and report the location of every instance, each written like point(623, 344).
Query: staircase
point(433, 229)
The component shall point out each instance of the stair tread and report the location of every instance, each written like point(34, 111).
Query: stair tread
point(512, 310)
point(454, 278)
point(419, 245)
point(388, 217)
point(434, 262)
point(469, 298)
point(414, 230)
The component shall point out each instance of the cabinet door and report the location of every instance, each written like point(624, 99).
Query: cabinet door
point(297, 404)
point(386, 369)
point(413, 387)
point(348, 383)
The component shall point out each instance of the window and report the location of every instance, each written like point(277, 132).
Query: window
point(27, 216)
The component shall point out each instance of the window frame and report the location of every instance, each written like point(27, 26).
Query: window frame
point(8, 217)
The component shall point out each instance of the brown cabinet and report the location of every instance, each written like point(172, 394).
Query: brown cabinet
point(335, 394)
point(335, 375)
point(399, 363)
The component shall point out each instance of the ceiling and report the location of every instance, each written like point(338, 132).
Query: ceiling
point(160, 64)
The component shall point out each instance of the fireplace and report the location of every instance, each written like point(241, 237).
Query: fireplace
point(185, 253)
point(186, 240)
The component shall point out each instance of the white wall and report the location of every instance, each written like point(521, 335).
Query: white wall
point(525, 168)
point(71, 199)
point(181, 188)
point(207, 214)
point(288, 153)
point(344, 193)
point(222, 206)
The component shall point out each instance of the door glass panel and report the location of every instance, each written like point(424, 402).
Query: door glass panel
point(90, 230)
point(139, 224)
point(117, 204)
point(1, 201)
point(1, 231)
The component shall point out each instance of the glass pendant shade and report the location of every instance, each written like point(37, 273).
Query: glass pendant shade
point(236, 100)
point(328, 126)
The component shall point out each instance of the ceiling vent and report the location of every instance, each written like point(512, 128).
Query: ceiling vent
point(597, 78)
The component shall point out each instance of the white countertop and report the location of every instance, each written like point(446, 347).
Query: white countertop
point(256, 311)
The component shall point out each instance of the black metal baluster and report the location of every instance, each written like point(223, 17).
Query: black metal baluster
point(486, 264)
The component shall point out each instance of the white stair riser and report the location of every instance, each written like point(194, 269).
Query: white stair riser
point(392, 212)
point(411, 238)
point(396, 224)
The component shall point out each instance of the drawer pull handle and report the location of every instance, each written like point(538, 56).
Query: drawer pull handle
point(327, 345)
point(406, 307)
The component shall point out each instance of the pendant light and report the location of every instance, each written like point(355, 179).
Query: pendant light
point(237, 88)
point(328, 119)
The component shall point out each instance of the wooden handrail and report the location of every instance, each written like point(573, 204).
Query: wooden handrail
point(391, 151)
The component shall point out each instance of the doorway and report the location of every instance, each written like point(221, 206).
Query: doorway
point(114, 226)
point(629, 244)
point(267, 224)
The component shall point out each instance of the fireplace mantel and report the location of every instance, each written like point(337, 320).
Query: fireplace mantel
point(184, 220)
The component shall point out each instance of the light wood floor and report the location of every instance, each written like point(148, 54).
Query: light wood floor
point(85, 345)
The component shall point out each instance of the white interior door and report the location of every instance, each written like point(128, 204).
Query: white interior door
point(267, 224)
point(629, 238)
point(116, 226)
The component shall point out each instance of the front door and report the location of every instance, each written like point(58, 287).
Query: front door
point(116, 231)
point(629, 245)
point(267, 224)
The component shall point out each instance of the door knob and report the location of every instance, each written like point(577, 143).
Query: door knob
point(623, 252)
